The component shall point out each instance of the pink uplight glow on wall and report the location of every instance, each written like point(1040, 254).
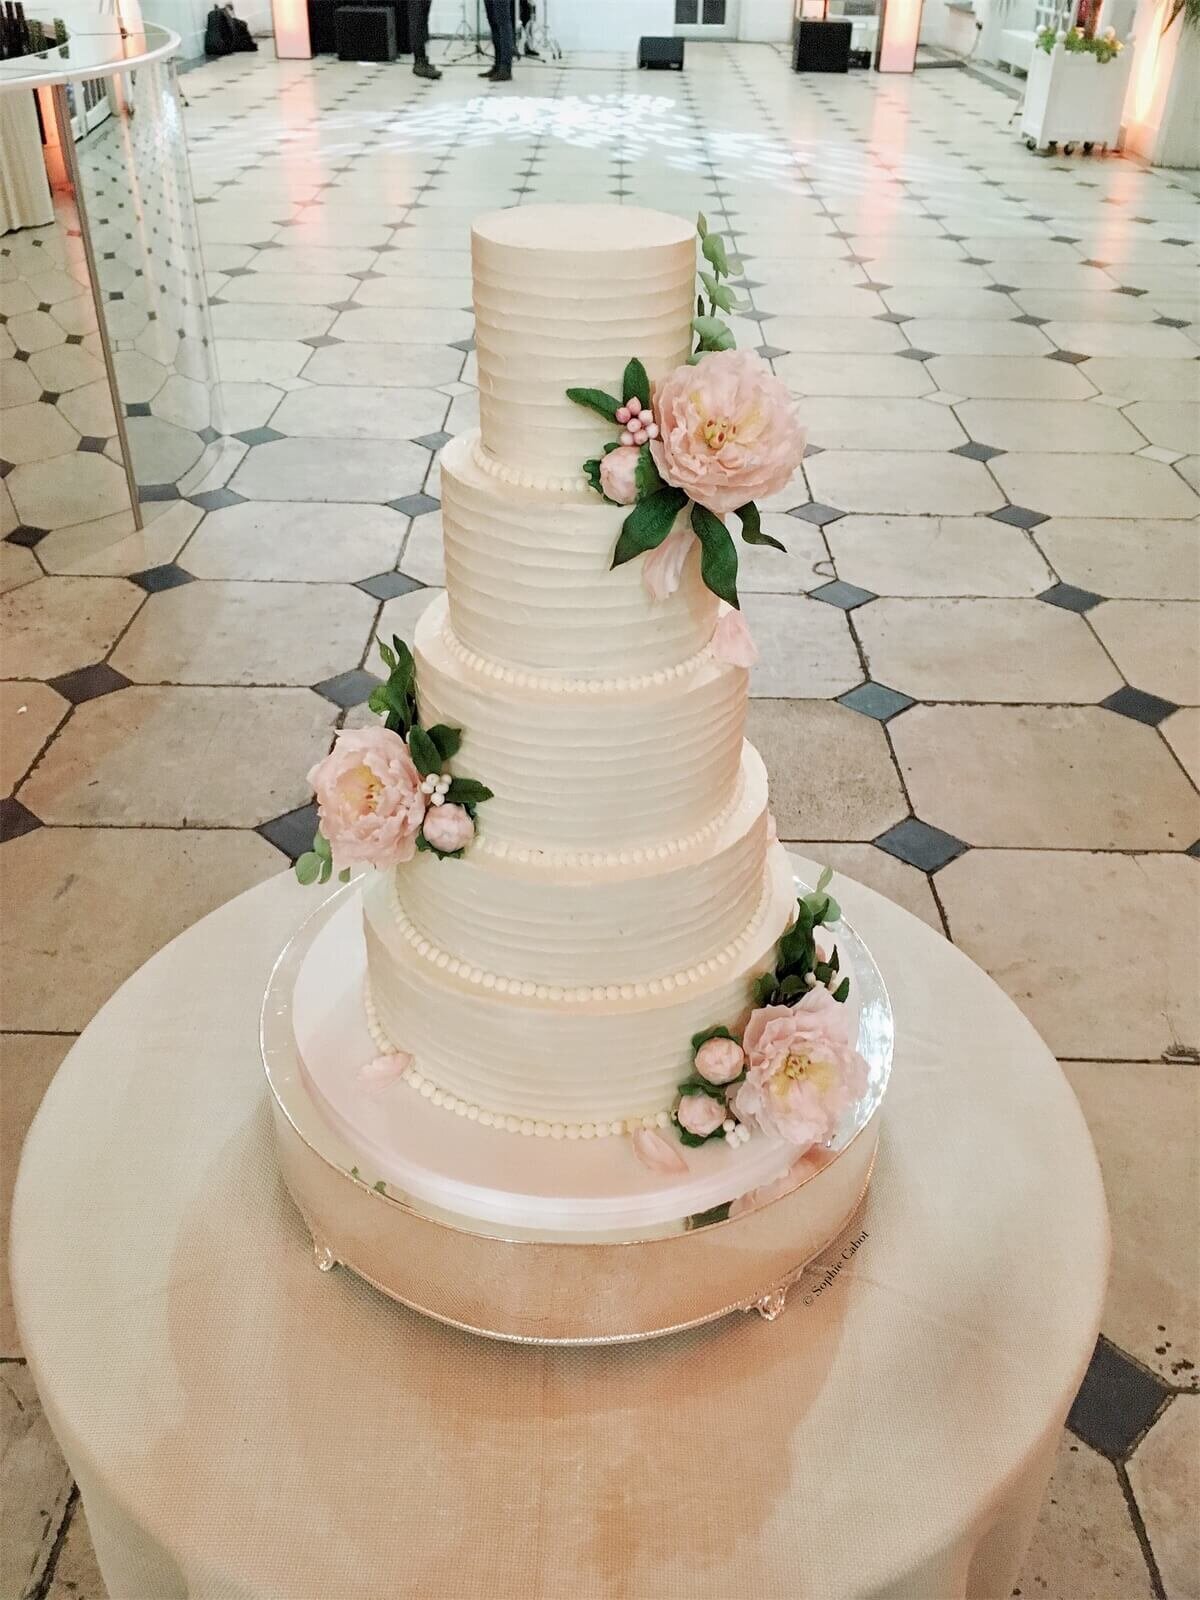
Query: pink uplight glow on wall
point(289, 18)
point(898, 30)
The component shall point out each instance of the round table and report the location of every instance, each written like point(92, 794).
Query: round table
point(241, 1425)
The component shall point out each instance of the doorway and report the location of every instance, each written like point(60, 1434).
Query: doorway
point(706, 19)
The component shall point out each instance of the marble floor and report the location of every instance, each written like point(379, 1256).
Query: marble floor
point(980, 679)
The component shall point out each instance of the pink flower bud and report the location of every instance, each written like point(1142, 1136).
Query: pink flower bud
point(700, 1114)
point(448, 828)
point(635, 406)
point(626, 438)
point(618, 476)
point(720, 1060)
point(652, 430)
point(622, 413)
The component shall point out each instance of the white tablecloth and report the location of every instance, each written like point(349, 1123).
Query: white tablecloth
point(24, 188)
point(243, 1426)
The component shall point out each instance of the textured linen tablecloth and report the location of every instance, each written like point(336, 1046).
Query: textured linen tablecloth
point(24, 188)
point(244, 1426)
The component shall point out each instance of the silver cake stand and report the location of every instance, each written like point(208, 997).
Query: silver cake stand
point(540, 1285)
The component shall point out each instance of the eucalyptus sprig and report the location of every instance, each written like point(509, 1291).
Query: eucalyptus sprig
point(796, 953)
point(316, 865)
point(711, 332)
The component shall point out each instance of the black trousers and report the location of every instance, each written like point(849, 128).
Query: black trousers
point(418, 28)
point(500, 21)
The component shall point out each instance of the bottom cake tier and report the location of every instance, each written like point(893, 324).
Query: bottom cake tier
point(529, 1059)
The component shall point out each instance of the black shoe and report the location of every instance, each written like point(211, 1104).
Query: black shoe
point(501, 77)
point(426, 69)
point(490, 73)
point(532, 54)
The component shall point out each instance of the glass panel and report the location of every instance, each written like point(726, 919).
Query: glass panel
point(136, 194)
point(714, 13)
point(687, 12)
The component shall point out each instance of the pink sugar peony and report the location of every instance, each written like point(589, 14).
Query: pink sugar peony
point(617, 471)
point(700, 1114)
point(728, 432)
point(803, 1071)
point(369, 798)
point(448, 828)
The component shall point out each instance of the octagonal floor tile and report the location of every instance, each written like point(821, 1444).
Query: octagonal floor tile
point(1009, 378)
point(89, 410)
point(1165, 1475)
point(1156, 644)
point(1084, 1543)
point(852, 792)
point(360, 412)
point(34, 330)
point(424, 557)
point(1003, 650)
point(66, 366)
point(1136, 558)
point(331, 543)
point(251, 633)
point(800, 568)
point(937, 556)
point(1181, 730)
point(1070, 485)
point(91, 902)
point(17, 566)
point(399, 617)
point(95, 772)
point(1093, 913)
point(911, 482)
point(57, 624)
point(894, 879)
point(1044, 776)
point(69, 488)
point(28, 1061)
point(805, 650)
point(383, 365)
point(867, 375)
point(162, 452)
point(1049, 426)
point(840, 422)
point(1144, 1117)
point(332, 469)
point(378, 325)
point(18, 386)
point(1174, 426)
point(111, 547)
point(29, 714)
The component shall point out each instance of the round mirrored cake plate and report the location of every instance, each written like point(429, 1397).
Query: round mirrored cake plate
point(536, 1239)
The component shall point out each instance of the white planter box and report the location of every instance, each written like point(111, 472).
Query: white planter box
point(1073, 98)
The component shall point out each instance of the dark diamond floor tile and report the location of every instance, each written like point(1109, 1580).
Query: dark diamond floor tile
point(434, 441)
point(977, 261)
point(254, 436)
point(348, 688)
point(1072, 356)
point(876, 700)
point(1137, 293)
point(217, 499)
point(91, 445)
point(1171, 322)
point(155, 579)
point(846, 596)
point(208, 435)
point(1193, 850)
point(1001, 288)
point(915, 355)
point(976, 452)
point(25, 536)
point(465, 345)
point(138, 408)
point(16, 819)
point(415, 505)
point(89, 683)
point(320, 341)
point(387, 585)
point(1064, 238)
point(1116, 1403)
point(293, 832)
point(1138, 704)
point(1069, 598)
point(892, 316)
point(1028, 321)
point(920, 845)
point(148, 492)
point(1018, 516)
point(770, 352)
point(815, 512)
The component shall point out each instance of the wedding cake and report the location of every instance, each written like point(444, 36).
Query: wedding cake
point(596, 935)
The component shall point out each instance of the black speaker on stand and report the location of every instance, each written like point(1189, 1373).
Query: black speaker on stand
point(365, 33)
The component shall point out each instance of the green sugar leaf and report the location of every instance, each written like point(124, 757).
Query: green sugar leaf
point(308, 868)
point(713, 249)
point(791, 987)
point(635, 382)
point(648, 524)
point(321, 847)
point(714, 335)
point(447, 740)
point(388, 654)
point(825, 879)
point(646, 478)
point(764, 988)
point(591, 471)
point(326, 871)
point(718, 555)
point(842, 990)
point(751, 520)
point(719, 1032)
point(702, 225)
point(424, 752)
point(467, 792)
point(344, 875)
point(596, 400)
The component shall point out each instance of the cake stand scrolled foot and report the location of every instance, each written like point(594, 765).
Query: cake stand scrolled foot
point(323, 1257)
point(771, 1305)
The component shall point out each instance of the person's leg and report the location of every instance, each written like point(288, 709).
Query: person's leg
point(418, 27)
point(500, 22)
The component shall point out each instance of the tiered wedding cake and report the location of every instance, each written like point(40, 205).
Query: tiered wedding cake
point(574, 945)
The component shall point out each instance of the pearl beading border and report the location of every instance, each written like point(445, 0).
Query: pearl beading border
point(637, 855)
point(520, 679)
point(519, 478)
point(531, 1127)
point(584, 994)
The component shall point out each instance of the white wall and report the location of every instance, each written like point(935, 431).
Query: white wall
point(766, 21)
point(578, 24)
point(188, 18)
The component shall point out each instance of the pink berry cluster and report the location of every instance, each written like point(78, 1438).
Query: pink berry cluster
point(637, 421)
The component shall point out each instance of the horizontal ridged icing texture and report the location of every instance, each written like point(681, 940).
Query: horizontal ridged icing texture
point(557, 923)
point(564, 296)
point(592, 770)
point(600, 1059)
point(530, 579)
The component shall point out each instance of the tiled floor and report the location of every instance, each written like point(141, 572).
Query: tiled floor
point(980, 676)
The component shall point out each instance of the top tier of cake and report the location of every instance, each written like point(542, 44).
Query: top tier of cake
point(564, 296)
